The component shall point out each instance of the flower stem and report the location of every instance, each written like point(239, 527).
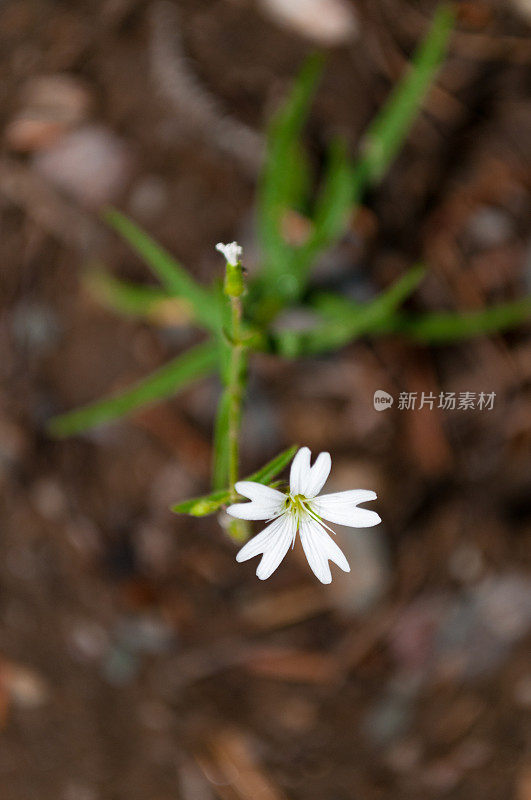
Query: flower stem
point(233, 353)
point(234, 389)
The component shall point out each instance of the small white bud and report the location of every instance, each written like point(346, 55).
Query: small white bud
point(232, 252)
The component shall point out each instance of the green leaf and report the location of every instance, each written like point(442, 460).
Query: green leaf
point(453, 327)
point(208, 504)
point(130, 299)
point(202, 506)
point(332, 212)
point(286, 269)
point(283, 177)
point(178, 282)
point(389, 129)
point(346, 320)
point(270, 470)
point(163, 383)
point(345, 312)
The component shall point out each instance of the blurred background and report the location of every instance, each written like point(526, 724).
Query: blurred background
point(138, 661)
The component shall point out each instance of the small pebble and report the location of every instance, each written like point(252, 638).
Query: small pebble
point(148, 198)
point(87, 640)
point(120, 666)
point(504, 603)
point(146, 633)
point(51, 105)
point(326, 22)
point(490, 227)
point(49, 498)
point(523, 7)
point(25, 686)
point(35, 327)
point(466, 564)
point(91, 164)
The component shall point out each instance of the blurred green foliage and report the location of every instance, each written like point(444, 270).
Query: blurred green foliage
point(286, 183)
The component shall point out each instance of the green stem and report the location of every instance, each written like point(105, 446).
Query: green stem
point(230, 407)
point(234, 390)
point(233, 353)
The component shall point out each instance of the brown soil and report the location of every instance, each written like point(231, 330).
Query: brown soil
point(138, 661)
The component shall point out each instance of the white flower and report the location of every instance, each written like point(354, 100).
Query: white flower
point(232, 252)
point(301, 510)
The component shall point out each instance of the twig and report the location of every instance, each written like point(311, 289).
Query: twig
point(196, 107)
point(57, 216)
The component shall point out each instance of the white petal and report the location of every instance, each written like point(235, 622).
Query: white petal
point(258, 491)
point(300, 470)
point(320, 548)
point(333, 552)
point(266, 502)
point(232, 252)
point(308, 480)
point(310, 533)
point(341, 508)
point(273, 542)
point(278, 547)
point(259, 543)
point(318, 475)
point(252, 511)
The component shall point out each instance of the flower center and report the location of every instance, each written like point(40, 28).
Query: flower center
point(297, 504)
point(300, 506)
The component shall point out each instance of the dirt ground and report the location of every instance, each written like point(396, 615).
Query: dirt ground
point(138, 660)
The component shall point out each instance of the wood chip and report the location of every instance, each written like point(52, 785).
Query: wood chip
point(281, 609)
point(230, 764)
point(22, 187)
point(298, 666)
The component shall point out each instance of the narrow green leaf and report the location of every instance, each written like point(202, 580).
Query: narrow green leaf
point(286, 268)
point(283, 176)
point(346, 312)
point(201, 506)
point(453, 327)
point(330, 220)
point(346, 320)
point(163, 383)
point(130, 299)
point(273, 467)
point(389, 129)
point(177, 281)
